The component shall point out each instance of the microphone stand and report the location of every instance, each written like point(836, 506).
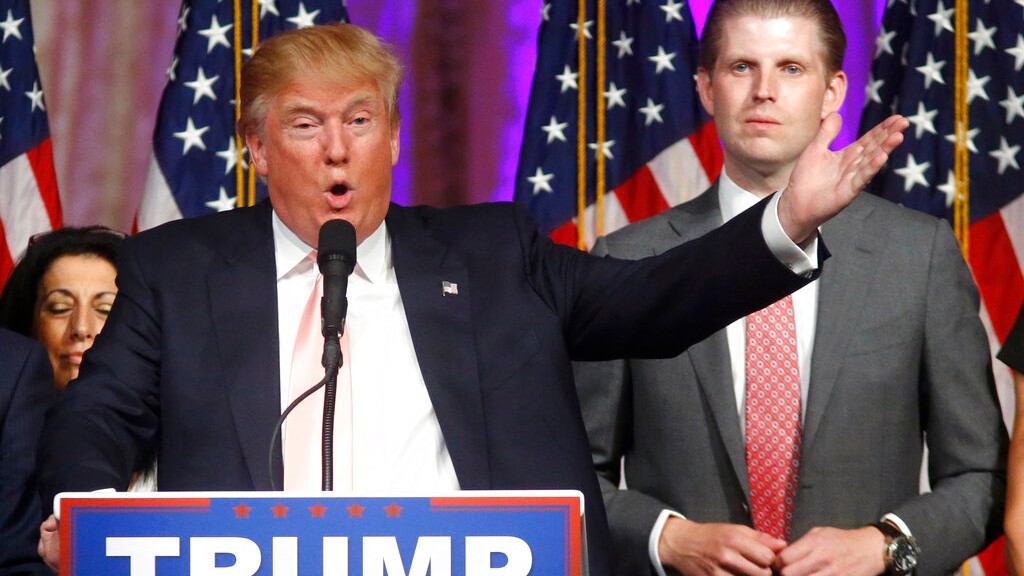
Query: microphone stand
point(332, 361)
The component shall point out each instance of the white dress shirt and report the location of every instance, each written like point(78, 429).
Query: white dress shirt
point(398, 444)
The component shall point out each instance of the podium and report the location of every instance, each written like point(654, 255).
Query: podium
point(471, 533)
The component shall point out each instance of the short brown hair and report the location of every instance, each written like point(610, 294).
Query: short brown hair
point(342, 52)
point(830, 27)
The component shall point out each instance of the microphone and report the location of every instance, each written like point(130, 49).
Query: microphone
point(336, 257)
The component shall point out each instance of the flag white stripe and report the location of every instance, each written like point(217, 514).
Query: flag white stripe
point(21, 204)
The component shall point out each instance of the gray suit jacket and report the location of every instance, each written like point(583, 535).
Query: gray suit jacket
point(899, 355)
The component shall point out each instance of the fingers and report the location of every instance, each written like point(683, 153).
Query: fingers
point(49, 543)
point(828, 130)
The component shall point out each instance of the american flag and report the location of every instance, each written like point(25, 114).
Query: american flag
point(660, 147)
point(914, 74)
point(29, 202)
point(195, 154)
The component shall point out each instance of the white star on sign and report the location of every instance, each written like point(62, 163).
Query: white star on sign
point(202, 86)
point(1006, 155)
point(555, 130)
point(183, 19)
point(192, 136)
point(662, 60)
point(216, 35)
point(541, 182)
point(913, 173)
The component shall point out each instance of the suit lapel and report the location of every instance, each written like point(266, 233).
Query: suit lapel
point(710, 357)
point(442, 334)
point(842, 293)
point(243, 297)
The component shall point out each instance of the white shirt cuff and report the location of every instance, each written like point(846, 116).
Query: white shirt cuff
point(652, 542)
point(802, 261)
point(894, 519)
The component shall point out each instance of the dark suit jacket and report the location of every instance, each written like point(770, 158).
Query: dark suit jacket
point(899, 355)
point(188, 360)
point(26, 391)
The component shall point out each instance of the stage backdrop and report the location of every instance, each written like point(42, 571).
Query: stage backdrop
point(469, 68)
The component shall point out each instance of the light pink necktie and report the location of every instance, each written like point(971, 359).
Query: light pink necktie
point(303, 439)
point(773, 416)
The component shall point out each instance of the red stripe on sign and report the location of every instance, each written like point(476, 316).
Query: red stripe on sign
point(709, 151)
point(997, 272)
point(565, 234)
point(41, 160)
point(640, 196)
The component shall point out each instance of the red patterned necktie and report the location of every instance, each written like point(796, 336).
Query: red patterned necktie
point(773, 416)
point(303, 443)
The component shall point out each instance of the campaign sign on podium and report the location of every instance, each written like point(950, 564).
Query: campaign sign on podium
point(291, 534)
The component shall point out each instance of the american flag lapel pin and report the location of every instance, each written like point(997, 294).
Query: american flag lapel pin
point(449, 288)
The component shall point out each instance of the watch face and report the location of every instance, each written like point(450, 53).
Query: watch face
point(903, 552)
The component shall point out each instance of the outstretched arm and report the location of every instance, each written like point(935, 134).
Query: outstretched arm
point(824, 182)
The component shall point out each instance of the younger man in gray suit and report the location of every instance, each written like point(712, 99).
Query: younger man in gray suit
point(886, 350)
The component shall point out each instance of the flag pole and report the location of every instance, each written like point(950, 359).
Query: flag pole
point(581, 129)
point(961, 207)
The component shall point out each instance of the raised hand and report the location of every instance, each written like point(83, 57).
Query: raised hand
point(824, 182)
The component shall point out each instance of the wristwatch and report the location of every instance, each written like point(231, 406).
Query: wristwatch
point(901, 551)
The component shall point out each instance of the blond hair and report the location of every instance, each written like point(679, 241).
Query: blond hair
point(338, 52)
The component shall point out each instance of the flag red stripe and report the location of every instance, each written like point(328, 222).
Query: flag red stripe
point(640, 196)
point(565, 234)
point(41, 160)
point(997, 272)
point(993, 558)
point(709, 151)
point(6, 260)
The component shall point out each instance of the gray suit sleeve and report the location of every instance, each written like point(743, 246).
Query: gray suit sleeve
point(604, 390)
point(962, 422)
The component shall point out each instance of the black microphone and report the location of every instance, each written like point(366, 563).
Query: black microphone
point(336, 257)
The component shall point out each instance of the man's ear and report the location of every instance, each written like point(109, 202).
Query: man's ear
point(396, 144)
point(257, 153)
point(705, 90)
point(835, 94)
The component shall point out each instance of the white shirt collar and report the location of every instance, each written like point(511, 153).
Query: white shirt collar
point(373, 255)
point(732, 199)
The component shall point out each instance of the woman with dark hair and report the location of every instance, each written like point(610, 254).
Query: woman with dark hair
point(61, 291)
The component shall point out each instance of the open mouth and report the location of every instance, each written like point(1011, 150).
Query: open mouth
point(339, 189)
